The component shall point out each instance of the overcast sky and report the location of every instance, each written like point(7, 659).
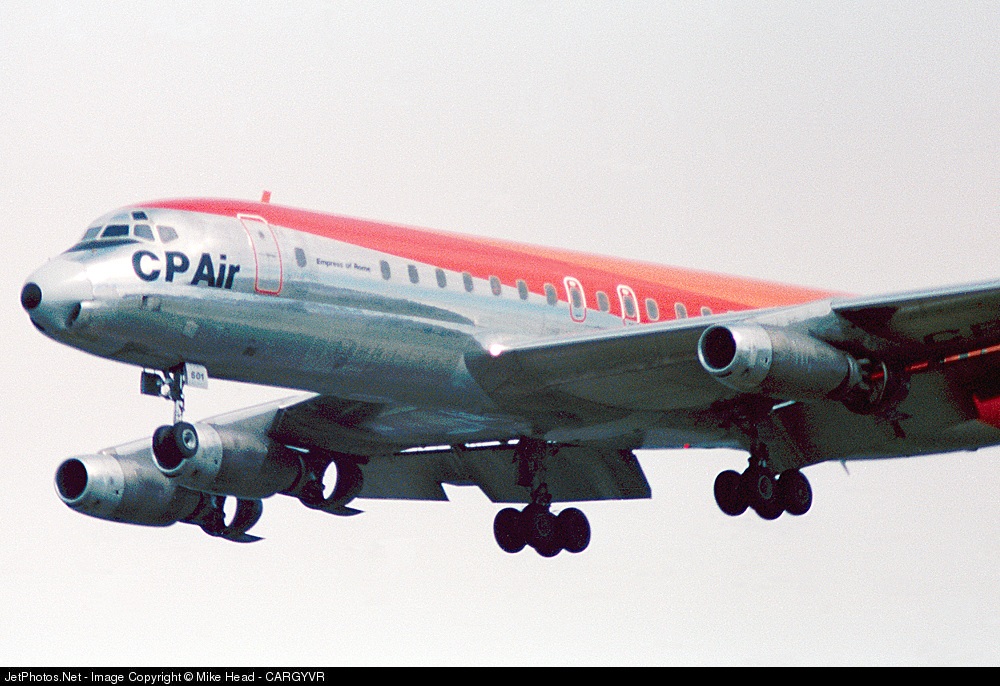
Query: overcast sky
point(848, 146)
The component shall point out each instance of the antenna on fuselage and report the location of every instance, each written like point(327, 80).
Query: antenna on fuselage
point(265, 196)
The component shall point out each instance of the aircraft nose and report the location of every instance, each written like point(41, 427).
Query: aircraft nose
point(31, 296)
point(54, 294)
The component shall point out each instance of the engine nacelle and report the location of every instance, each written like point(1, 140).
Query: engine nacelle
point(778, 362)
point(124, 487)
point(224, 460)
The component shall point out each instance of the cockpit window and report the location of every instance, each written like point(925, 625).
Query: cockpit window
point(144, 231)
point(91, 233)
point(140, 215)
point(115, 230)
point(167, 233)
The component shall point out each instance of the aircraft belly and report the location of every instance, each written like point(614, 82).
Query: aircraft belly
point(322, 348)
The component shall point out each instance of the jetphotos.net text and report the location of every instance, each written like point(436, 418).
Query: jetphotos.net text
point(162, 678)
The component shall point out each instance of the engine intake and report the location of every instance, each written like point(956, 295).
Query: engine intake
point(778, 362)
point(223, 460)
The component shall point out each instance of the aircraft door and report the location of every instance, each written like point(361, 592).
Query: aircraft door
point(577, 299)
point(266, 253)
point(630, 307)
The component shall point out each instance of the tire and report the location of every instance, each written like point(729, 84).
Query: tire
point(549, 549)
point(761, 491)
point(186, 438)
point(574, 530)
point(542, 530)
point(508, 530)
point(729, 495)
point(794, 492)
point(770, 510)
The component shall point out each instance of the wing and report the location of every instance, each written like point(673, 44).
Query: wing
point(608, 374)
point(655, 367)
point(924, 324)
point(397, 461)
point(648, 380)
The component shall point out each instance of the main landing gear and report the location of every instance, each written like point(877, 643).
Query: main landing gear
point(536, 525)
point(760, 489)
point(539, 528)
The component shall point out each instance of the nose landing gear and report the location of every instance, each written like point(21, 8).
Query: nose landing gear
point(169, 385)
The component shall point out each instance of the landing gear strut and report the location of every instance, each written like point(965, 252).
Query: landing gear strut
point(759, 488)
point(536, 525)
point(168, 385)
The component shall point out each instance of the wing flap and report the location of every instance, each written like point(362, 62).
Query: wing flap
point(573, 473)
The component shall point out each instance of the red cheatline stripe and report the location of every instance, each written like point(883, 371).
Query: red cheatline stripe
point(512, 261)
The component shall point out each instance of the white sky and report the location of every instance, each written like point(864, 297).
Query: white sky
point(849, 146)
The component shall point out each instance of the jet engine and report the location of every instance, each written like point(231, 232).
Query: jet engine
point(224, 460)
point(778, 362)
point(124, 488)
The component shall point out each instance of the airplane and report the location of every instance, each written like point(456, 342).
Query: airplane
point(427, 358)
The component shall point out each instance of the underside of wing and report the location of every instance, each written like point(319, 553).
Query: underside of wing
point(923, 324)
point(402, 465)
point(572, 473)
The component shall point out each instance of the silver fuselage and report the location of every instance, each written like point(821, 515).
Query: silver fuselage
point(269, 305)
point(258, 302)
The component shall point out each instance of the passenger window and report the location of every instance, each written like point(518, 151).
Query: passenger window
point(652, 309)
point(522, 289)
point(167, 233)
point(705, 311)
point(300, 257)
point(495, 285)
point(414, 274)
point(680, 311)
point(441, 278)
point(386, 271)
point(551, 297)
point(91, 233)
point(467, 281)
point(115, 230)
point(603, 304)
point(577, 300)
